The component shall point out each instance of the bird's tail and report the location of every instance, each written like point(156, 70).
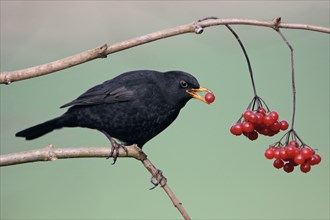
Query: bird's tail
point(42, 129)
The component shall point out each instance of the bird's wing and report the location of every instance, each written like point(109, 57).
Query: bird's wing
point(102, 94)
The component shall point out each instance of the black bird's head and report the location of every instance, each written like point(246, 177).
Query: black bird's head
point(183, 86)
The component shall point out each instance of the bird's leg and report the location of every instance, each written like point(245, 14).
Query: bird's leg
point(158, 179)
point(115, 148)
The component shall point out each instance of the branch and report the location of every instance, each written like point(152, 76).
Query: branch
point(50, 154)
point(103, 51)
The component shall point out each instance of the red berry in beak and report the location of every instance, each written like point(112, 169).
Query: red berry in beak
point(209, 97)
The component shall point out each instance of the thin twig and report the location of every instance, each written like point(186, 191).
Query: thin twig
point(278, 20)
point(177, 204)
point(50, 154)
point(104, 50)
point(247, 59)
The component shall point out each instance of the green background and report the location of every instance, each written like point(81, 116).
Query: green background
point(215, 174)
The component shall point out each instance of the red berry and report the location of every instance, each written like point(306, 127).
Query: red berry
point(253, 118)
point(305, 167)
point(284, 125)
point(277, 153)
point(307, 152)
point(274, 115)
point(294, 143)
point(269, 153)
point(288, 167)
point(261, 125)
point(236, 129)
point(266, 131)
point(283, 154)
point(262, 111)
point(290, 151)
point(278, 163)
point(269, 120)
point(247, 114)
point(260, 118)
point(312, 160)
point(253, 135)
point(247, 126)
point(315, 159)
point(291, 162)
point(209, 97)
point(296, 151)
point(271, 133)
point(275, 127)
point(299, 159)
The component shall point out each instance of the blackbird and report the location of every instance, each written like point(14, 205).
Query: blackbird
point(133, 107)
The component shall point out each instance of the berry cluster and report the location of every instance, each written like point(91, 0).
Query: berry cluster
point(291, 155)
point(254, 122)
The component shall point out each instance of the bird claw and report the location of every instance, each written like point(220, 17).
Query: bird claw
point(158, 179)
point(115, 150)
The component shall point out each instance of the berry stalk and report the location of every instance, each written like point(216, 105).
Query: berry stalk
point(292, 77)
point(246, 57)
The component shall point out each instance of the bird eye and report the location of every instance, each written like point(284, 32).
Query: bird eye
point(183, 84)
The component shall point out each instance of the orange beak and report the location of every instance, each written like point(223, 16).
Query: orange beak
point(194, 94)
